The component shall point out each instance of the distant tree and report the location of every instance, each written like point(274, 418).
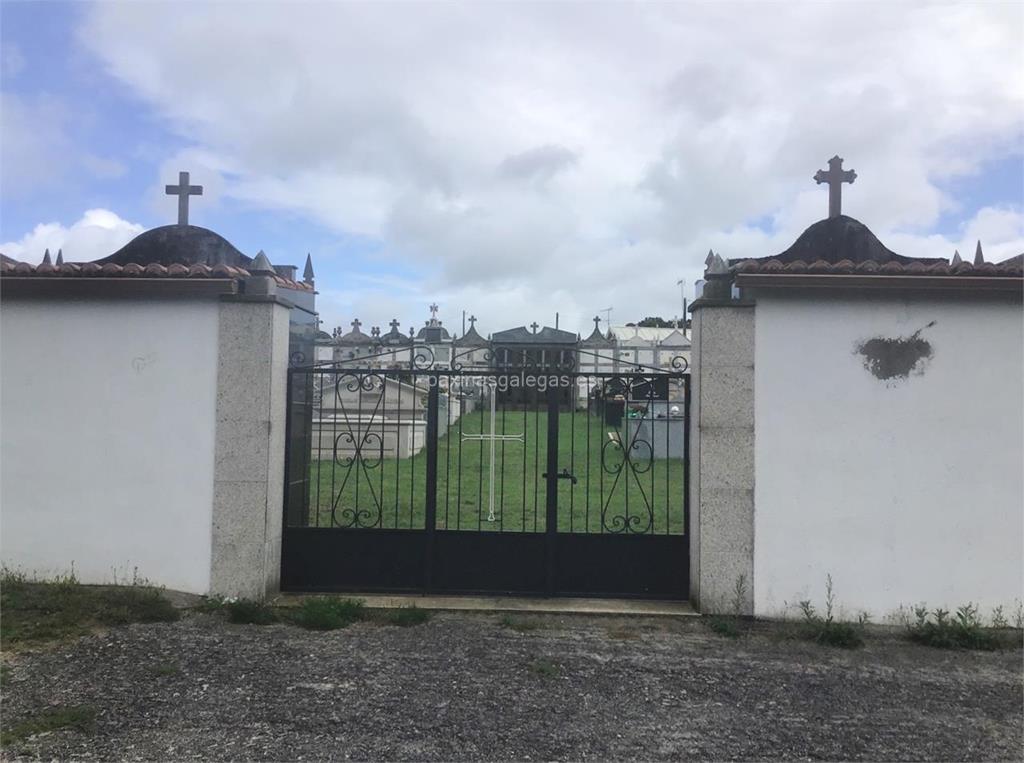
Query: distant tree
point(654, 322)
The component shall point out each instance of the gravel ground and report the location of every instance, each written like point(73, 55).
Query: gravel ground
point(465, 687)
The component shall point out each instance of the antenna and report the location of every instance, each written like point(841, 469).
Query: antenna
point(607, 316)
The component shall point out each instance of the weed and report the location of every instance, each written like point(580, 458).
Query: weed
point(544, 667)
point(250, 612)
point(81, 718)
point(724, 625)
point(211, 604)
point(325, 613)
point(405, 617)
point(5, 675)
point(731, 625)
point(519, 624)
point(962, 631)
point(61, 608)
point(827, 630)
point(998, 618)
point(165, 669)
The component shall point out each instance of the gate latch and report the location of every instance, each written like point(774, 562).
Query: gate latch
point(562, 475)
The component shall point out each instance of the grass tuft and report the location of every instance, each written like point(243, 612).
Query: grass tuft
point(724, 625)
point(519, 624)
point(165, 669)
point(35, 611)
point(544, 667)
point(81, 718)
point(250, 612)
point(326, 613)
point(962, 631)
point(405, 617)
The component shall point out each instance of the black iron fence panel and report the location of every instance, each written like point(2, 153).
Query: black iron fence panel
point(455, 465)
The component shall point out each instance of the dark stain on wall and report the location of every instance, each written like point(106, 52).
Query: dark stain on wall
point(893, 360)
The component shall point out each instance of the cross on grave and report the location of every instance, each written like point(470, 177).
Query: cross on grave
point(597, 322)
point(394, 325)
point(356, 324)
point(183, 190)
point(534, 326)
point(835, 177)
point(433, 312)
point(472, 321)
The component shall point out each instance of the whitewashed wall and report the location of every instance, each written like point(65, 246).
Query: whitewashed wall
point(904, 492)
point(75, 373)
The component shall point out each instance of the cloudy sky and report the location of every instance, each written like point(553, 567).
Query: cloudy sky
point(510, 160)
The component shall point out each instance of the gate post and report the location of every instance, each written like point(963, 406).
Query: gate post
point(722, 450)
point(431, 498)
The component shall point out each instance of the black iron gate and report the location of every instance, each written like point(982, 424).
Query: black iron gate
point(547, 482)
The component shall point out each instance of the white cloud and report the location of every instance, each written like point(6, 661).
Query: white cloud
point(531, 157)
point(98, 233)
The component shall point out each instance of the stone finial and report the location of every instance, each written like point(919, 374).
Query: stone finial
point(412, 332)
point(956, 258)
point(708, 259)
point(979, 257)
point(60, 257)
point(46, 258)
point(307, 272)
point(718, 265)
point(375, 331)
point(262, 264)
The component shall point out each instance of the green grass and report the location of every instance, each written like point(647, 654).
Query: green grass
point(520, 624)
point(326, 613)
point(81, 718)
point(163, 669)
point(399, 485)
point(544, 667)
point(46, 611)
point(405, 617)
point(247, 611)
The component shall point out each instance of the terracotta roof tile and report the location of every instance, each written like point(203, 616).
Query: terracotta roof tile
point(135, 270)
point(1012, 268)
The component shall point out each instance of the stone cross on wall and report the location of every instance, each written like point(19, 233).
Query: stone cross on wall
point(356, 324)
point(534, 326)
point(183, 190)
point(472, 321)
point(597, 322)
point(394, 324)
point(835, 177)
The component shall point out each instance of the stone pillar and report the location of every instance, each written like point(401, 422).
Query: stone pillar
point(722, 455)
point(248, 492)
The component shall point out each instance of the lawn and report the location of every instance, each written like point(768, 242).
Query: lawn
point(391, 492)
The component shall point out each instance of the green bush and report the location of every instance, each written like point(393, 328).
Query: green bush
point(407, 616)
point(325, 613)
point(250, 612)
point(962, 631)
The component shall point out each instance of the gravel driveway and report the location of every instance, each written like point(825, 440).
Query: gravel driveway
point(467, 687)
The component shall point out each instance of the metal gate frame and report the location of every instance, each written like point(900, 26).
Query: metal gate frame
point(435, 560)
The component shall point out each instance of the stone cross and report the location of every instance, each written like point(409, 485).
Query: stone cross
point(433, 312)
point(183, 190)
point(472, 321)
point(394, 324)
point(534, 326)
point(835, 177)
point(597, 322)
point(356, 324)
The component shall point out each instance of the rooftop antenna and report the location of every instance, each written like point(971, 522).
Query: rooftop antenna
point(607, 316)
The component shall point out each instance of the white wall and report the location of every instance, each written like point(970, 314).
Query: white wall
point(107, 415)
point(904, 492)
